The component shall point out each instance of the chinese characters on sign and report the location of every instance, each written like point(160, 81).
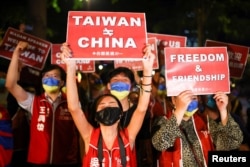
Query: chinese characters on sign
point(106, 35)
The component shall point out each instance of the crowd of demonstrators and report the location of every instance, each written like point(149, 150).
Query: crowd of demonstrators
point(49, 145)
point(195, 125)
point(156, 139)
point(111, 141)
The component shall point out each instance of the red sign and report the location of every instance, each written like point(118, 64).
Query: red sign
point(34, 56)
point(237, 57)
point(82, 65)
point(204, 70)
point(137, 64)
point(164, 40)
point(106, 35)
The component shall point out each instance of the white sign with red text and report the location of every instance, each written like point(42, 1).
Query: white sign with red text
point(81, 65)
point(136, 65)
point(204, 70)
point(36, 53)
point(237, 57)
point(106, 35)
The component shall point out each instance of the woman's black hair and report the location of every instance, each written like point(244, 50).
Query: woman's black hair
point(93, 108)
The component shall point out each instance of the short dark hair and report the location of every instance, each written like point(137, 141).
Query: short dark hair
point(55, 67)
point(121, 70)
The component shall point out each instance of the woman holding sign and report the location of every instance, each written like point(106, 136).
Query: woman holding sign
point(109, 144)
point(196, 125)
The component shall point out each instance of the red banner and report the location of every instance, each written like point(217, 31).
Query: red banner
point(237, 57)
point(34, 56)
point(81, 65)
point(204, 70)
point(164, 40)
point(137, 64)
point(106, 35)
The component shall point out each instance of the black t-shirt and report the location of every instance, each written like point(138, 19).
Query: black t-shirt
point(126, 117)
point(144, 132)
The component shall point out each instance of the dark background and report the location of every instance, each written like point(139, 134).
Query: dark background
point(222, 20)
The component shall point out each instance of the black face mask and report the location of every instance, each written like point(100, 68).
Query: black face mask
point(108, 116)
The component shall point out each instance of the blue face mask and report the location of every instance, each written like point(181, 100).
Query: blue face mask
point(50, 84)
point(192, 108)
point(161, 87)
point(120, 89)
point(211, 102)
point(2, 83)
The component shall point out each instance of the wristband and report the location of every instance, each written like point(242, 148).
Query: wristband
point(147, 91)
point(147, 76)
point(146, 84)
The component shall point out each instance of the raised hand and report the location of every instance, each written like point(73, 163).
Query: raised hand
point(148, 58)
point(21, 46)
point(66, 54)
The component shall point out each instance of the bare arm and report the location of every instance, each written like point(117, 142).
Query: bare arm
point(222, 101)
point(83, 126)
point(138, 116)
point(13, 74)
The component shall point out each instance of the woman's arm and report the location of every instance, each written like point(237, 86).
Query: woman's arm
point(83, 126)
point(145, 91)
point(221, 100)
point(225, 132)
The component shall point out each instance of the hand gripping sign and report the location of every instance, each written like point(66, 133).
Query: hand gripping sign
point(204, 70)
point(136, 65)
point(106, 35)
point(81, 65)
